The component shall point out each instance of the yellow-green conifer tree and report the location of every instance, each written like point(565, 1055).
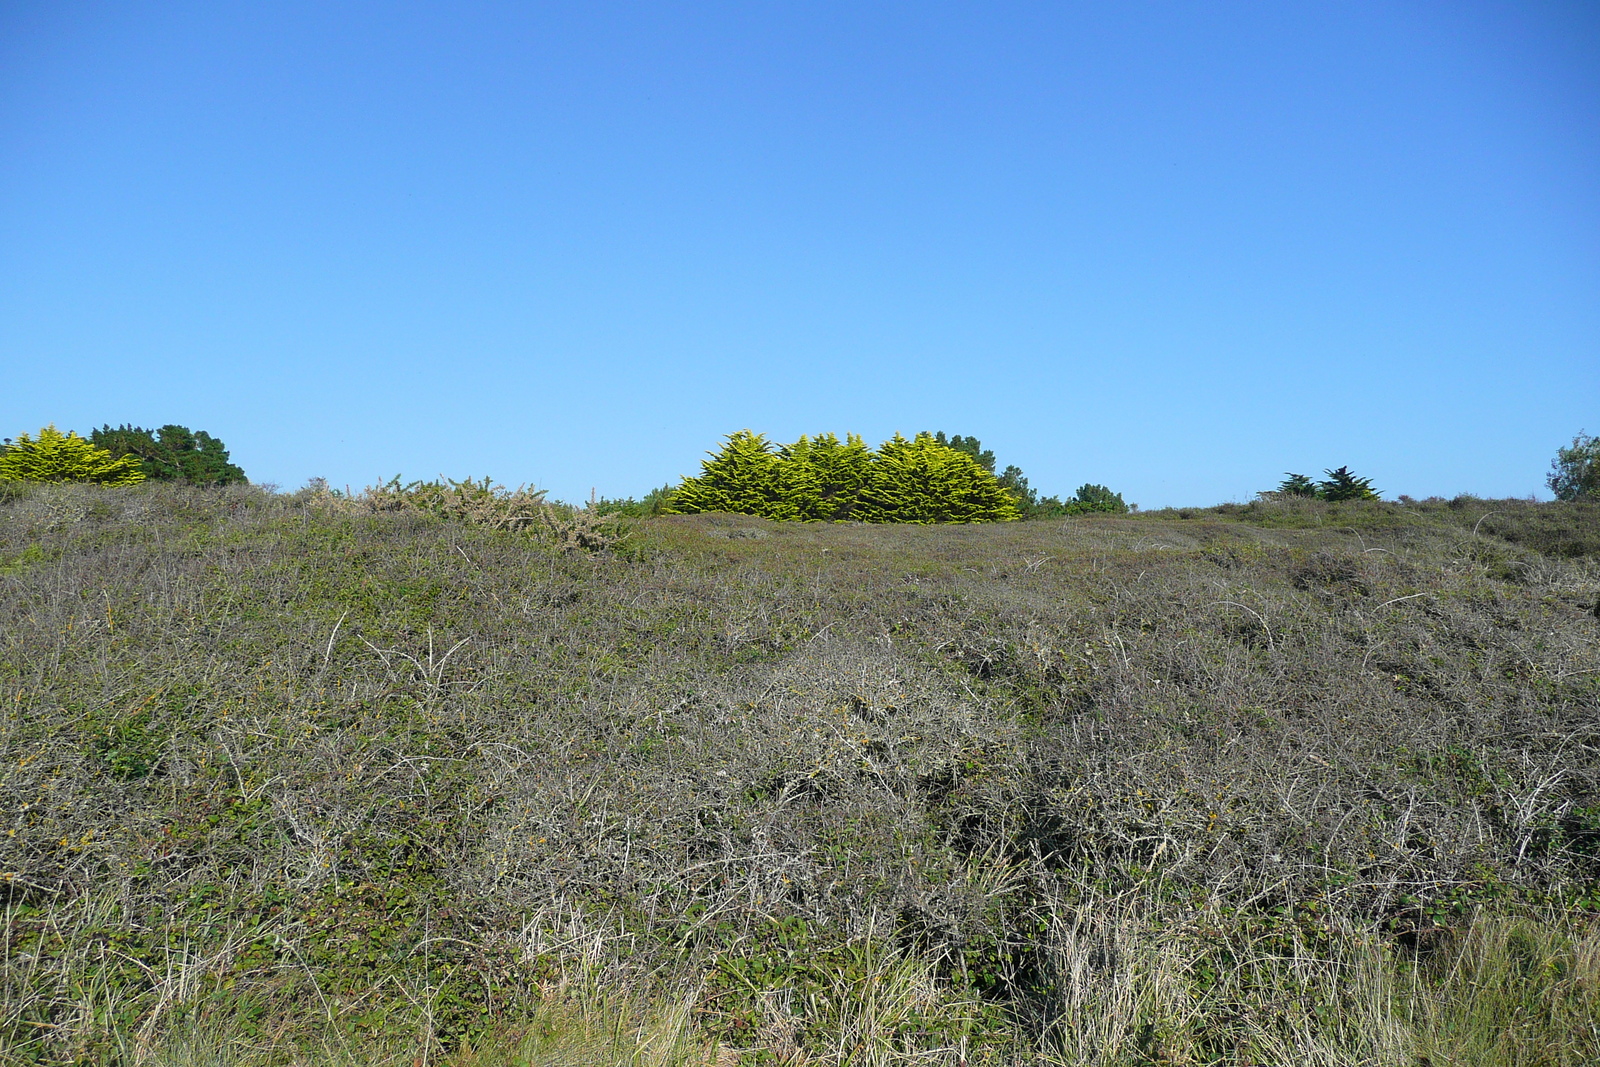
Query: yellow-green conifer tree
point(54, 456)
point(923, 481)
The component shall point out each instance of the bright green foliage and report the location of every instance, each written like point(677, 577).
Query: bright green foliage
point(65, 457)
point(172, 454)
point(1575, 472)
point(1095, 498)
point(825, 479)
point(1342, 485)
point(922, 481)
point(745, 477)
point(824, 476)
point(1297, 485)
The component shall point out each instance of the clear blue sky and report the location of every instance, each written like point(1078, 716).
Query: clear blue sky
point(1176, 248)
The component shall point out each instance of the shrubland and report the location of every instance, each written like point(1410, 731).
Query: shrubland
point(443, 774)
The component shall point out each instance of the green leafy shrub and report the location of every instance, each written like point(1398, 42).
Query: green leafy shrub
point(172, 454)
point(824, 476)
point(65, 457)
point(1575, 472)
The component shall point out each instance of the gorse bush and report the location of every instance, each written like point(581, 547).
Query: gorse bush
point(172, 454)
point(54, 456)
point(482, 502)
point(825, 479)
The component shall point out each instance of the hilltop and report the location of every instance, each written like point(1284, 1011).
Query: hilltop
point(1282, 782)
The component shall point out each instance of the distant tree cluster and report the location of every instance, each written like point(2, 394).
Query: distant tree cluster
point(1030, 505)
point(920, 480)
point(172, 454)
point(1339, 484)
point(123, 456)
point(930, 478)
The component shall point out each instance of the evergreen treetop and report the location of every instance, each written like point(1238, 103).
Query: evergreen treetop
point(54, 456)
point(1342, 485)
point(822, 478)
point(172, 453)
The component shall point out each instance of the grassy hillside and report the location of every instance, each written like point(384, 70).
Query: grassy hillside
point(290, 780)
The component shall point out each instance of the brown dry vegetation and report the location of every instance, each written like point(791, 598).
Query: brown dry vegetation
point(287, 779)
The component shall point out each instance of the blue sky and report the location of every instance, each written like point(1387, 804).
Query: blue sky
point(1176, 248)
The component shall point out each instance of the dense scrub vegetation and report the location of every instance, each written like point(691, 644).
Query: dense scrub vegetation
point(400, 777)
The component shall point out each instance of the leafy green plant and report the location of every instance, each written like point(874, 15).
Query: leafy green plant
point(1575, 472)
point(54, 456)
point(172, 454)
point(824, 476)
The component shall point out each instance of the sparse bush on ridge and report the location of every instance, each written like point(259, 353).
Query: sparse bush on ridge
point(364, 778)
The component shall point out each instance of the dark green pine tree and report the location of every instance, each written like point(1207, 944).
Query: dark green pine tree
point(1095, 498)
point(172, 454)
point(971, 446)
point(1298, 485)
point(1342, 485)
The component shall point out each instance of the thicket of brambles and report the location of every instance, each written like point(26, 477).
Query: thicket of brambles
point(124, 456)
